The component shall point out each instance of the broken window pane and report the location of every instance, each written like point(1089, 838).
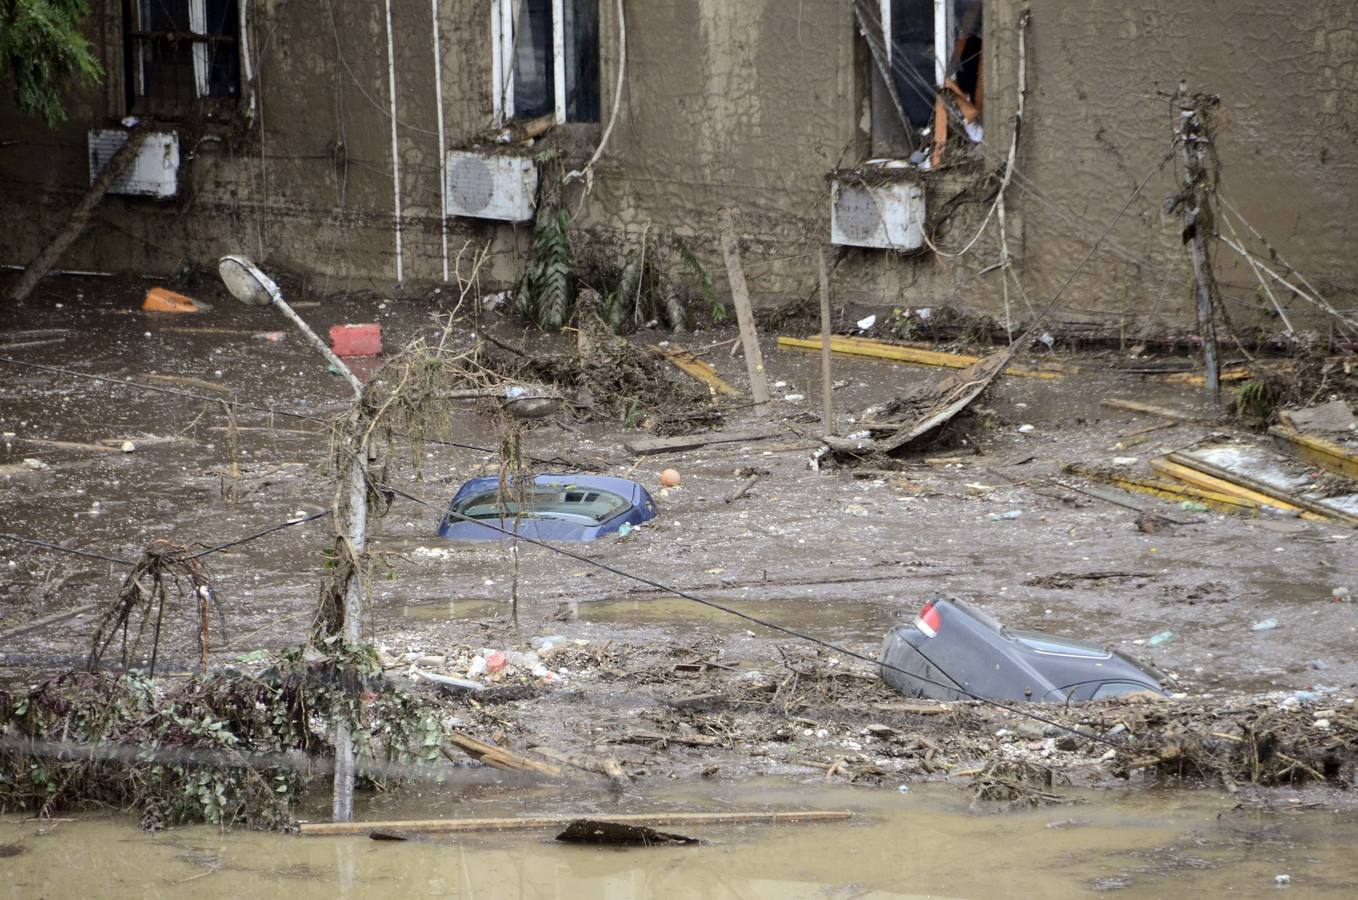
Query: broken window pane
point(534, 84)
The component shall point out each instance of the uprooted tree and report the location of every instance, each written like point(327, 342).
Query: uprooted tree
point(43, 53)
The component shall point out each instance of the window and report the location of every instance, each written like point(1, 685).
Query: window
point(181, 51)
point(932, 51)
point(588, 506)
point(545, 59)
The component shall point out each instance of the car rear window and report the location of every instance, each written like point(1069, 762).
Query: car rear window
point(578, 504)
point(1043, 643)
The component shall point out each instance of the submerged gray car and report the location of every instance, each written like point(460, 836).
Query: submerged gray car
point(953, 651)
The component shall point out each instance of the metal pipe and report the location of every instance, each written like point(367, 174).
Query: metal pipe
point(395, 148)
point(443, 142)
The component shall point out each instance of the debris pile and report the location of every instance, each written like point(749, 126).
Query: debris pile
point(545, 662)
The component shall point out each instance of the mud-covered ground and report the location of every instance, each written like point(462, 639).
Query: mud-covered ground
point(668, 687)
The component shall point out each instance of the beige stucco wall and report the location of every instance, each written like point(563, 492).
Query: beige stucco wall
point(748, 105)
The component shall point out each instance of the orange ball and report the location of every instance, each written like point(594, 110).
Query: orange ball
point(669, 478)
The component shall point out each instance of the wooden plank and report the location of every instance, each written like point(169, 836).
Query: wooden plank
point(740, 299)
point(651, 446)
point(1137, 406)
point(1312, 509)
point(1192, 476)
point(498, 757)
point(688, 363)
point(853, 346)
point(1233, 373)
point(1168, 490)
point(1326, 454)
point(539, 823)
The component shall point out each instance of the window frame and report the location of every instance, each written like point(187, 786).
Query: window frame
point(136, 34)
point(503, 57)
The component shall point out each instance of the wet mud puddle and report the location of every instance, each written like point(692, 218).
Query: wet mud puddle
point(842, 618)
point(926, 842)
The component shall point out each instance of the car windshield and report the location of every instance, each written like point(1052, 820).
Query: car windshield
point(589, 505)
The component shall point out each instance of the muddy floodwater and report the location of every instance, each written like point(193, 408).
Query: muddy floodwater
point(924, 843)
point(702, 710)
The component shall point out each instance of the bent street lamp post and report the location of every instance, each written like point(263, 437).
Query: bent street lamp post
point(251, 286)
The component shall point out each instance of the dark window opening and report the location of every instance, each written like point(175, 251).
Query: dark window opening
point(534, 74)
point(535, 65)
point(901, 37)
point(180, 51)
point(582, 61)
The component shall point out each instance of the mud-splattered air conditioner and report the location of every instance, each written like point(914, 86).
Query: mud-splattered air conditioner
point(877, 206)
point(153, 173)
point(491, 187)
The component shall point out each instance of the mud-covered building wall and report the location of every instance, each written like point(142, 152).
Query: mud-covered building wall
point(743, 105)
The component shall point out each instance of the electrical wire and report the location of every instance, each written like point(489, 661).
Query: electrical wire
point(19, 539)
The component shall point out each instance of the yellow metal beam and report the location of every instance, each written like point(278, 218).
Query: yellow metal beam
point(853, 346)
point(1169, 490)
point(1326, 454)
point(1203, 481)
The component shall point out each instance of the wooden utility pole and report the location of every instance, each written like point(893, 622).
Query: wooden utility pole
point(45, 260)
point(1196, 213)
point(740, 299)
point(827, 407)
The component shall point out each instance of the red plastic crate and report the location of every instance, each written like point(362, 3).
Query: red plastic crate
point(356, 340)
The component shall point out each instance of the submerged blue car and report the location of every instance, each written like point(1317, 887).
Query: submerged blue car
point(555, 508)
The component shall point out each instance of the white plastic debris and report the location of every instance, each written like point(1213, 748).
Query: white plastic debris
point(127, 447)
point(1026, 429)
point(865, 324)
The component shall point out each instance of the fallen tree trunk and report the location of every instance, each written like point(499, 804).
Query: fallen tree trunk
point(45, 260)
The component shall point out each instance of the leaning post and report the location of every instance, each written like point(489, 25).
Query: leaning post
point(1195, 212)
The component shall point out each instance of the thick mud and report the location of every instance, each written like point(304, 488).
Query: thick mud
point(831, 553)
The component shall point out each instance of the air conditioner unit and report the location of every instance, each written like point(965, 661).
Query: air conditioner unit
point(877, 206)
point(491, 187)
point(154, 172)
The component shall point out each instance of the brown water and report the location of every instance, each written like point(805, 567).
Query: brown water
point(925, 843)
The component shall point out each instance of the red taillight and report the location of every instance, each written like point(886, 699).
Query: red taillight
point(928, 620)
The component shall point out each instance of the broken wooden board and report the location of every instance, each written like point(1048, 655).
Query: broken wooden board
point(680, 443)
point(937, 404)
point(856, 346)
point(538, 823)
point(1327, 454)
point(1188, 475)
point(1228, 374)
point(498, 757)
point(1168, 490)
point(688, 362)
point(1138, 407)
point(1256, 468)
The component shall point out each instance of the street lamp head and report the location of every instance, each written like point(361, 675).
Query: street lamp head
point(533, 401)
point(246, 282)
